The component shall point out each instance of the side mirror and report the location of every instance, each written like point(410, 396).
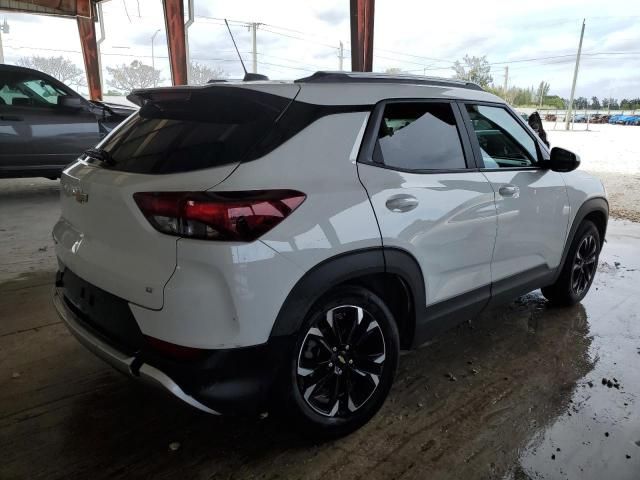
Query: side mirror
point(69, 101)
point(563, 160)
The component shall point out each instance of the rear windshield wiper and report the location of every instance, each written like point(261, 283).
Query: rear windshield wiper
point(101, 155)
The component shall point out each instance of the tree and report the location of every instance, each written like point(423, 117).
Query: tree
point(580, 103)
point(200, 74)
point(555, 101)
point(394, 71)
point(136, 75)
point(595, 103)
point(473, 69)
point(610, 103)
point(58, 67)
point(543, 91)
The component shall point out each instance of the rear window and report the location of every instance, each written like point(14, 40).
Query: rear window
point(192, 130)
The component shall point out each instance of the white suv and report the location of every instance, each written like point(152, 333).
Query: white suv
point(254, 244)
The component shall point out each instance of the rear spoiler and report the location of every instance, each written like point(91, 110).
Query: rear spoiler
point(141, 96)
point(144, 95)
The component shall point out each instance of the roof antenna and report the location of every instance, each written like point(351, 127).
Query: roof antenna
point(247, 76)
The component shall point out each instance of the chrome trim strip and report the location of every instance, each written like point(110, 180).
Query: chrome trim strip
point(119, 360)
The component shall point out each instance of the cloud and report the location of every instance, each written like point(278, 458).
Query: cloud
point(332, 16)
point(627, 39)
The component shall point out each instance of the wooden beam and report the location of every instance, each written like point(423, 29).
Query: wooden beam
point(174, 22)
point(362, 16)
point(87, 31)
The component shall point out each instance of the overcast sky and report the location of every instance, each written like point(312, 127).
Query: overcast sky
point(297, 37)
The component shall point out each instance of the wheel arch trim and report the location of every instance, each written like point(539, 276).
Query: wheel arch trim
point(592, 205)
point(342, 268)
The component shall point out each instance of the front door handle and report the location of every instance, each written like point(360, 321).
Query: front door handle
point(11, 118)
point(402, 203)
point(509, 191)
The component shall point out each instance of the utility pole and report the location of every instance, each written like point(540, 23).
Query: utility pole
point(4, 28)
point(575, 79)
point(153, 57)
point(506, 81)
point(340, 56)
point(254, 51)
point(541, 95)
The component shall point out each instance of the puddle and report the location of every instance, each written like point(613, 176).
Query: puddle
point(598, 435)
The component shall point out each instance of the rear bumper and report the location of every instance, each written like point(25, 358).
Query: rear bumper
point(119, 360)
point(228, 381)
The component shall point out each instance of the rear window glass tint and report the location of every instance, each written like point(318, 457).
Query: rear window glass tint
point(205, 129)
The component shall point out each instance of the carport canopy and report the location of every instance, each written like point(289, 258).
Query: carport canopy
point(84, 11)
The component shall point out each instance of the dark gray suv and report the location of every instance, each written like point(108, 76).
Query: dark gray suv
point(45, 125)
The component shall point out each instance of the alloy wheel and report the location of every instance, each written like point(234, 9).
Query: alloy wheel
point(584, 264)
point(341, 360)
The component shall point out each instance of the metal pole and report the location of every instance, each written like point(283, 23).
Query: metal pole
point(254, 51)
point(153, 57)
point(341, 57)
point(190, 20)
point(541, 95)
point(4, 28)
point(575, 78)
point(586, 115)
point(99, 42)
point(506, 81)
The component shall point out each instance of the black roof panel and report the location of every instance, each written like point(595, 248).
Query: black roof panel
point(369, 77)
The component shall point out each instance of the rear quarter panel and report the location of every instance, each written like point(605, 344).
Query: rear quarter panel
point(320, 161)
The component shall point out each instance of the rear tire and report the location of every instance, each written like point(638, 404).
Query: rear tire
point(343, 364)
point(579, 268)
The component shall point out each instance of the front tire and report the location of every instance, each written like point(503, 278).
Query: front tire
point(343, 363)
point(579, 268)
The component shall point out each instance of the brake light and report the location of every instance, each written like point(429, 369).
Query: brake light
point(222, 216)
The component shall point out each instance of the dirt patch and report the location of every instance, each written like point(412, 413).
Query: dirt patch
point(611, 153)
point(624, 194)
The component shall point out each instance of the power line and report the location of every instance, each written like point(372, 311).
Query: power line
point(572, 55)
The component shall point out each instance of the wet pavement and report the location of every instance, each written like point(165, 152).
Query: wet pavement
point(516, 394)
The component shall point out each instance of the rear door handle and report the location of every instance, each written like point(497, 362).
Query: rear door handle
point(11, 118)
point(509, 191)
point(402, 203)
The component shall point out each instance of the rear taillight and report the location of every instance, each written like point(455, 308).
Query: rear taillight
point(224, 216)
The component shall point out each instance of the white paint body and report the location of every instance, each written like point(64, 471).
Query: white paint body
point(206, 294)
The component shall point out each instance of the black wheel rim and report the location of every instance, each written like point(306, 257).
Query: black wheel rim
point(340, 361)
point(584, 265)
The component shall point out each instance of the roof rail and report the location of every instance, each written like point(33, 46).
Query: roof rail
point(368, 77)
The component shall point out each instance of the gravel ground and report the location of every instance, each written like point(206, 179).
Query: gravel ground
point(610, 152)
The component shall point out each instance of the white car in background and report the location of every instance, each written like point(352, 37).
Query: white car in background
point(247, 245)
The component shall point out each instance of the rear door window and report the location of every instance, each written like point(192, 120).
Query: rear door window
point(419, 136)
point(190, 131)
